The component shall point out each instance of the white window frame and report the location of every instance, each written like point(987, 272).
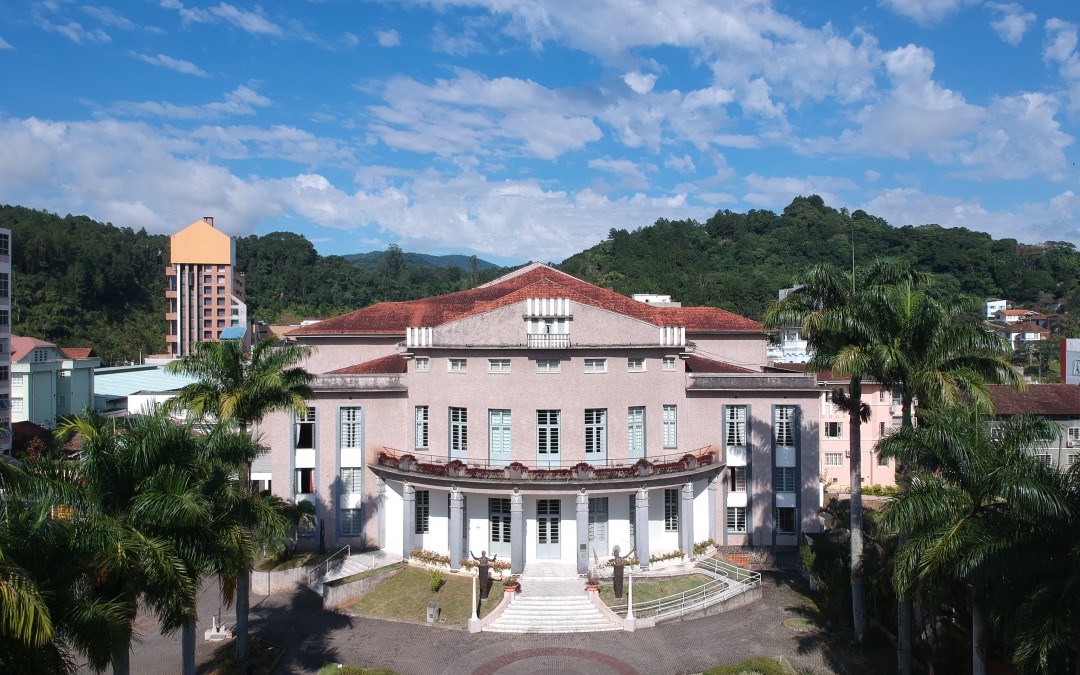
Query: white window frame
point(784, 426)
point(457, 365)
point(669, 363)
point(421, 364)
point(671, 510)
point(794, 520)
point(834, 459)
point(548, 365)
point(735, 426)
point(833, 429)
point(595, 365)
point(635, 430)
point(784, 479)
point(635, 364)
point(736, 479)
point(307, 418)
point(458, 429)
point(352, 480)
point(736, 519)
point(1074, 436)
point(1045, 457)
point(498, 365)
point(1072, 458)
point(671, 426)
point(595, 431)
point(499, 433)
point(422, 512)
point(351, 427)
point(882, 460)
point(548, 432)
point(421, 418)
point(351, 522)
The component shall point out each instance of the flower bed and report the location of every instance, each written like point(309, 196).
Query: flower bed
point(661, 557)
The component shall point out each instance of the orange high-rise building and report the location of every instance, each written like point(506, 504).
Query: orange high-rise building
point(203, 290)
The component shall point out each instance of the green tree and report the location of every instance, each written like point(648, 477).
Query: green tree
point(940, 353)
point(971, 498)
point(235, 389)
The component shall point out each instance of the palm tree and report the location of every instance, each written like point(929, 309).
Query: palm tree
point(829, 305)
point(970, 501)
point(236, 388)
point(938, 352)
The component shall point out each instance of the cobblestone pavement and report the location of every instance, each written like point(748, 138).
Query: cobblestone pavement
point(312, 637)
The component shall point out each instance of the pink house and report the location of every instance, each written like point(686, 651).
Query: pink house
point(541, 418)
point(885, 414)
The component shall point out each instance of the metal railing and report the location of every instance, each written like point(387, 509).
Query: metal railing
point(728, 581)
point(314, 573)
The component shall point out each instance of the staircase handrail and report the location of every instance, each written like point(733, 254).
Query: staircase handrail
point(728, 580)
point(314, 572)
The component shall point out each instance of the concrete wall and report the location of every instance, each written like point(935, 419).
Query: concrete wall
point(338, 594)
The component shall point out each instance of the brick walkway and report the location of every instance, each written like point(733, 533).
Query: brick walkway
point(313, 637)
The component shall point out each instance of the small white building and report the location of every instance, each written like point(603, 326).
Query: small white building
point(995, 305)
point(49, 383)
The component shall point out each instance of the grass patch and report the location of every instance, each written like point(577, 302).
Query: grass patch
point(299, 559)
point(762, 665)
point(335, 669)
point(652, 589)
point(260, 661)
point(405, 595)
point(362, 575)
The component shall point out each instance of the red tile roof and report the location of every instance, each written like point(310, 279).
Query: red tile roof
point(533, 281)
point(1037, 399)
point(395, 363)
point(78, 352)
point(21, 346)
point(700, 364)
point(1024, 328)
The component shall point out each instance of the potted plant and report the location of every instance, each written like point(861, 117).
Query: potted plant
point(644, 467)
point(582, 471)
point(593, 582)
point(516, 471)
point(511, 584)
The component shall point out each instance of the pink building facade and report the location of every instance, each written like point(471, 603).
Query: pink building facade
point(835, 426)
point(541, 418)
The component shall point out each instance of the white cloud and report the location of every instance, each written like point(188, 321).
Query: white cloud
point(1055, 220)
point(642, 83)
point(240, 101)
point(253, 22)
point(4, 44)
point(926, 12)
point(108, 17)
point(1019, 138)
point(778, 191)
point(1061, 50)
point(75, 32)
point(1013, 21)
point(682, 164)
point(632, 176)
point(179, 65)
point(388, 38)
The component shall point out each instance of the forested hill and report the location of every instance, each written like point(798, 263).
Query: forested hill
point(78, 282)
point(738, 261)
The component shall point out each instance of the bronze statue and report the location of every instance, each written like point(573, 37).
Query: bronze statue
point(482, 564)
point(618, 564)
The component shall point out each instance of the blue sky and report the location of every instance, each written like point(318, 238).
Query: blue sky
point(526, 129)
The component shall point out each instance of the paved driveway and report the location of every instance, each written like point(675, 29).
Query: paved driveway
point(312, 637)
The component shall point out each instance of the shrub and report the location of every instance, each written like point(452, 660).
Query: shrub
point(761, 665)
point(435, 580)
point(701, 546)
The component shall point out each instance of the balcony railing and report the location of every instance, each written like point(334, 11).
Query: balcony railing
point(549, 341)
point(552, 471)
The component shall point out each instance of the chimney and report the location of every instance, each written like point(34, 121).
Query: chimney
point(209, 220)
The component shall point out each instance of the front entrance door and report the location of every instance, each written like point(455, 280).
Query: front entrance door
point(499, 524)
point(598, 527)
point(547, 529)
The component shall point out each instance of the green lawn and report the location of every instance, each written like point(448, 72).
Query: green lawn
point(652, 589)
point(405, 596)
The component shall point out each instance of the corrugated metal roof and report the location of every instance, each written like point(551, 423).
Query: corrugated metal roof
point(125, 381)
point(233, 333)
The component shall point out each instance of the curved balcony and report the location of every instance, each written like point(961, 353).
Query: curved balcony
point(664, 469)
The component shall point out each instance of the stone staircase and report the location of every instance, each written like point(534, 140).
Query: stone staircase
point(553, 614)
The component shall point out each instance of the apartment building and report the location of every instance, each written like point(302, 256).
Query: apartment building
point(1057, 402)
point(5, 341)
point(49, 383)
point(204, 292)
point(541, 418)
